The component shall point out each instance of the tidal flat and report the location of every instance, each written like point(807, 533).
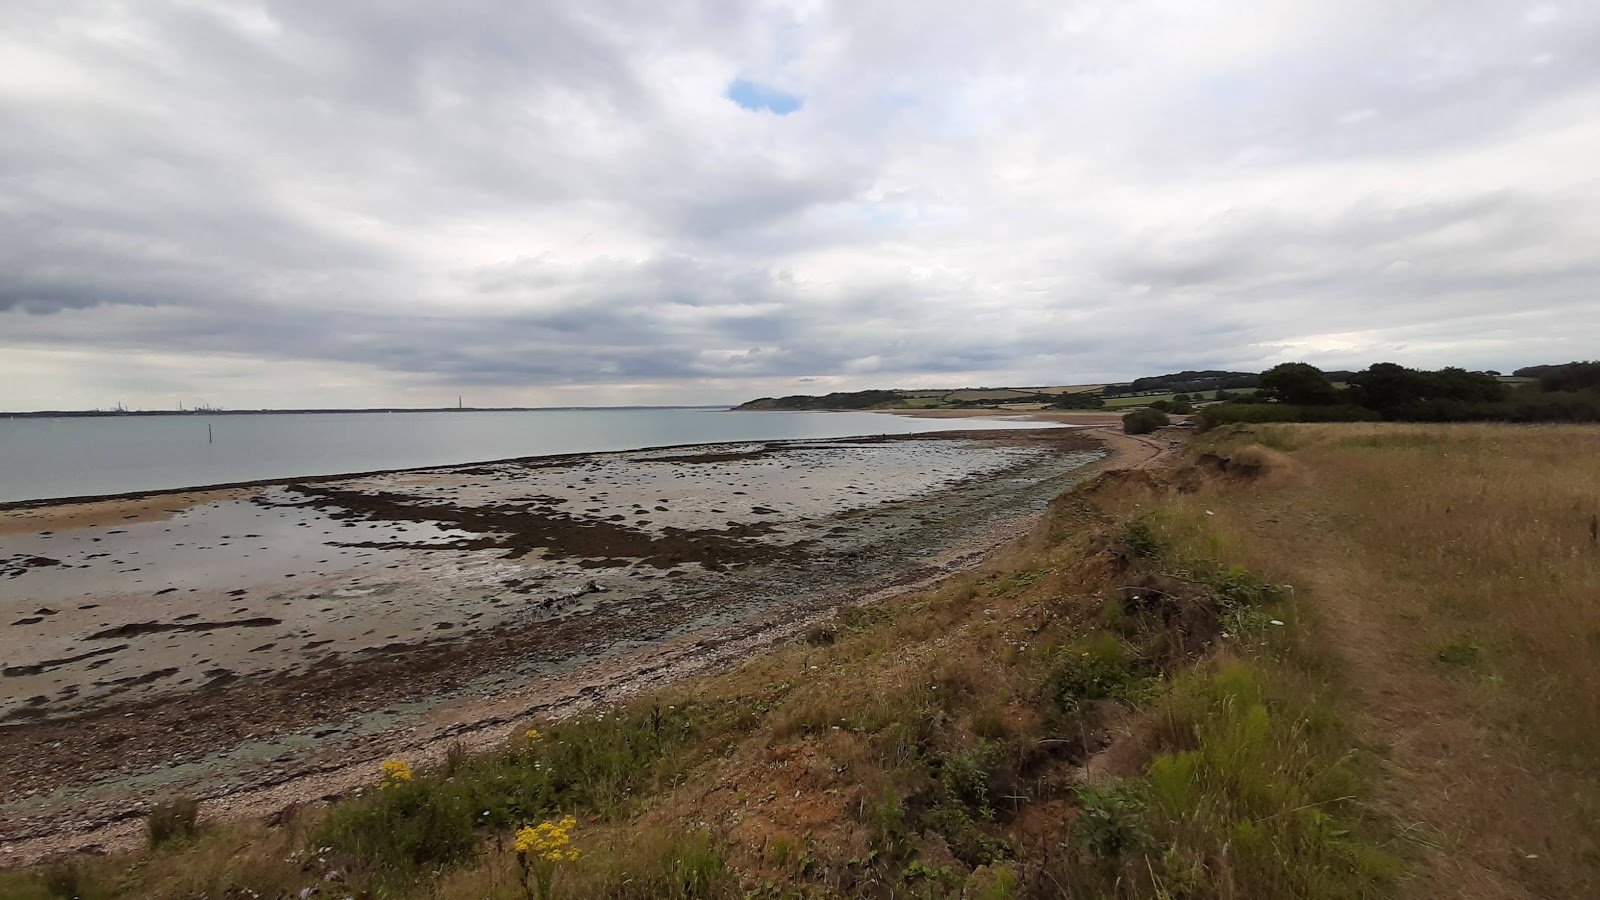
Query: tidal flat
point(256, 646)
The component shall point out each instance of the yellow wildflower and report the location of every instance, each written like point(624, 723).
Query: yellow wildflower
point(395, 771)
point(532, 734)
point(550, 841)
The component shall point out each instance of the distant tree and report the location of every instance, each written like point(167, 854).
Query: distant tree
point(1083, 400)
point(1182, 406)
point(1297, 383)
point(1161, 405)
point(1398, 392)
point(1452, 383)
point(1574, 376)
point(1189, 381)
point(1388, 386)
point(1144, 421)
point(1224, 395)
point(1181, 398)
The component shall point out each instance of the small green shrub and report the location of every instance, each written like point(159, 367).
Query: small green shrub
point(1110, 822)
point(1461, 653)
point(173, 821)
point(1099, 668)
point(68, 878)
point(885, 817)
point(1144, 421)
point(1238, 588)
point(966, 838)
point(993, 883)
point(964, 778)
point(1142, 541)
point(404, 828)
point(858, 617)
point(934, 877)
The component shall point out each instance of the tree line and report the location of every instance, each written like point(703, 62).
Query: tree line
point(1389, 392)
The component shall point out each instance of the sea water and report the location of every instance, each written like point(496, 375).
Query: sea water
point(89, 456)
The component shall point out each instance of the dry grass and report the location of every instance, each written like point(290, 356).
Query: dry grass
point(1459, 570)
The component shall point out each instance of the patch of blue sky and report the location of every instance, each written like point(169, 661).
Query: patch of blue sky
point(758, 97)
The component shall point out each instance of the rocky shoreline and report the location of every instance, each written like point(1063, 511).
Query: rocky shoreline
point(564, 583)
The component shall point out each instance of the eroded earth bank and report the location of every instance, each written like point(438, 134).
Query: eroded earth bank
point(263, 646)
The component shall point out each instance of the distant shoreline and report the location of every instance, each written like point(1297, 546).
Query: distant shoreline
point(114, 413)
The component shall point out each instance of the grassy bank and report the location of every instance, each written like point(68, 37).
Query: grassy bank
point(1312, 661)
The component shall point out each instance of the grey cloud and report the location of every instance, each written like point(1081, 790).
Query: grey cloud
point(531, 195)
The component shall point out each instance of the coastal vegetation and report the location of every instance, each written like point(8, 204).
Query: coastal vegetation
point(1308, 660)
point(1144, 421)
point(1290, 392)
point(1296, 392)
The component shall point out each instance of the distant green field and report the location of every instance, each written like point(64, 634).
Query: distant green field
point(1147, 399)
point(921, 402)
point(995, 394)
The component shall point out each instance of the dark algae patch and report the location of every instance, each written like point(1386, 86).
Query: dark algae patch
point(520, 530)
point(134, 629)
point(48, 664)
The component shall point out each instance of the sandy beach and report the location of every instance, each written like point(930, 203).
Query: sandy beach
point(256, 646)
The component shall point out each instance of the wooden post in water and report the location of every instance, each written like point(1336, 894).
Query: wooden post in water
point(208, 432)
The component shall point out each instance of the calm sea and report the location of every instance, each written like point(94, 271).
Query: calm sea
point(42, 458)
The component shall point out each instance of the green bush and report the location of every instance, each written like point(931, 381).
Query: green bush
point(1217, 414)
point(1099, 668)
point(1144, 421)
point(1142, 541)
point(1110, 822)
point(964, 778)
point(1237, 588)
point(1298, 383)
point(406, 828)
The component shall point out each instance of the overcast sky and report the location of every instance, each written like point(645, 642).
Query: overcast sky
point(314, 203)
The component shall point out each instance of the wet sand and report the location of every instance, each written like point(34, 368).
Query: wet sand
point(248, 646)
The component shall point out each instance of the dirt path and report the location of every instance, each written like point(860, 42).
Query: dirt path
point(1426, 730)
point(1136, 451)
point(1444, 772)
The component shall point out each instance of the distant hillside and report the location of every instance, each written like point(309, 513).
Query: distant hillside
point(1071, 396)
point(1191, 386)
point(837, 400)
point(1186, 382)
